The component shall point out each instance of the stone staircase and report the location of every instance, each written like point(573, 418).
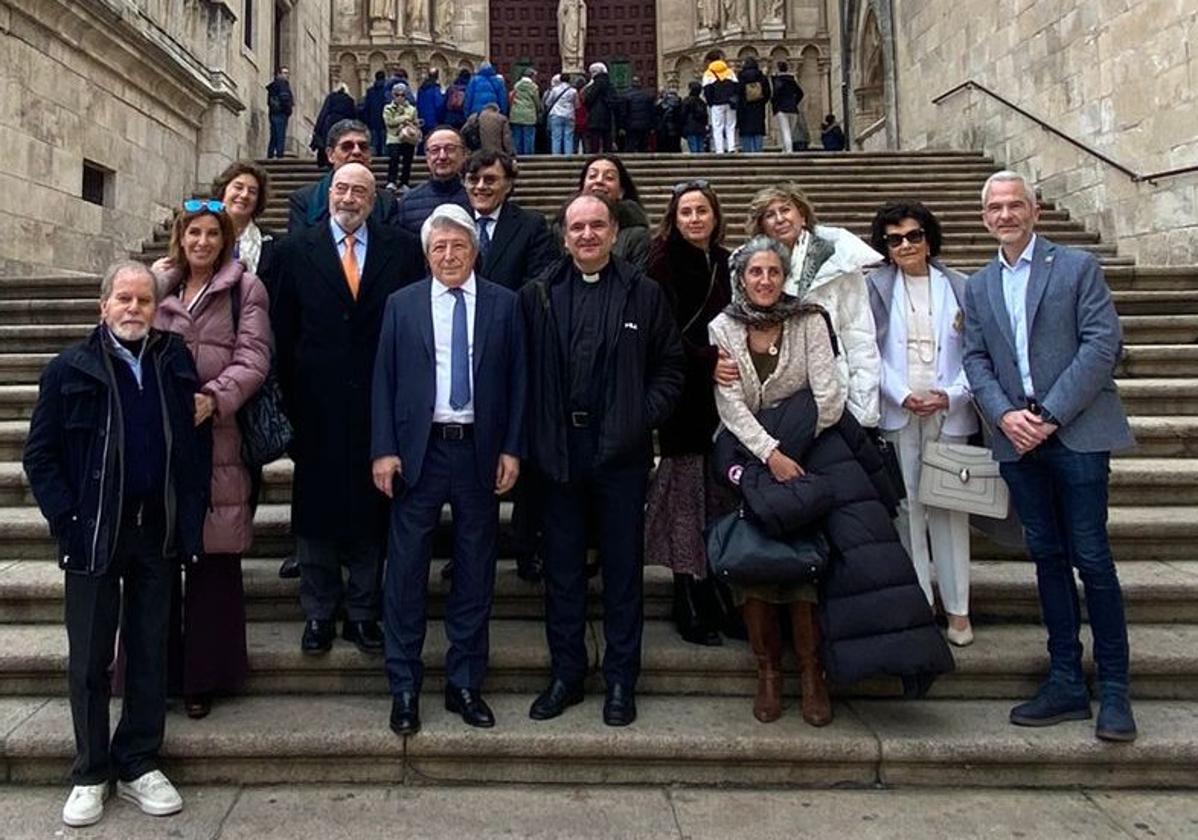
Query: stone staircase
point(324, 719)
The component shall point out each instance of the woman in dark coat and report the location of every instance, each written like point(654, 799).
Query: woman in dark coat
point(338, 105)
point(687, 258)
point(750, 112)
point(694, 118)
point(603, 108)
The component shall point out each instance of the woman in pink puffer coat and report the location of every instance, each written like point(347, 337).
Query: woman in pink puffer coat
point(195, 284)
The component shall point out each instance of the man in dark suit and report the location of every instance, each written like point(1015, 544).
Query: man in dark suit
point(447, 427)
point(514, 247)
point(333, 282)
point(348, 142)
point(1041, 343)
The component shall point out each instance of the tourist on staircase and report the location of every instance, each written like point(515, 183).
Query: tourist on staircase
point(279, 104)
point(720, 91)
point(831, 135)
point(606, 367)
point(221, 310)
point(430, 102)
point(327, 313)
point(826, 270)
point(371, 111)
point(918, 309)
point(793, 134)
point(444, 155)
point(308, 207)
point(780, 346)
point(122, 476)
point(525, 112)
point(753, 94)
point(447, 428)
point(1042, 339)
point(403, 135)
point(244, 188)
point(669, 122)
point(337, 106)
point(455, 101)
point(560, 103)
point(688, 259)
point(485, 86)
point(607, 176)
point(602, 110)
point(640, 114)
point(694, 118)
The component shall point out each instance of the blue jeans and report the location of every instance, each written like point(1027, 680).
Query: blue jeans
point(1061, 496)
point(278, 135)
point(561, 135)
point(525, 138)
point(752, 142)
point(695, 143)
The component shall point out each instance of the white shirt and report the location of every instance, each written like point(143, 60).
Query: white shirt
point(494, 220)
point(443, 303)
point(1014, 291)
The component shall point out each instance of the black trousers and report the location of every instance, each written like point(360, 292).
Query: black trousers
point(94, 608)
point(614, 499)
point(322, 590)
point(396, 151)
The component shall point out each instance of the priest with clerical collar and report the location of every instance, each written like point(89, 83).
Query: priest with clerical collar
point(606, 367)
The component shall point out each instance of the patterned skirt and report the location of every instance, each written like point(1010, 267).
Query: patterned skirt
point(682, 500)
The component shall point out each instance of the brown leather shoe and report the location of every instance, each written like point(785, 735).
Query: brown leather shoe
point(765, 639)
point(816, 705)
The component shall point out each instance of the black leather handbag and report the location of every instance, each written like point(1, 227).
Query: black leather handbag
point(265, 430)
point(741, 554)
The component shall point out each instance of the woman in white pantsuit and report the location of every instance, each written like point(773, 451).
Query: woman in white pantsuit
point(917, 308)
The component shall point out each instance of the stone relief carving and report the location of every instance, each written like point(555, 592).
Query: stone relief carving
point(734, 14)
point(381, 11)
point(708, 14)
point(572, 33)
point(417, 15)
point(443, 18)
point(773, 10)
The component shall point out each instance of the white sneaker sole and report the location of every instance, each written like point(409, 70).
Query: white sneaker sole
point(81, 823)
point(149, 808)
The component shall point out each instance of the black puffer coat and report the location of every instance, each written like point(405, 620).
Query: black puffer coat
point(874, 618)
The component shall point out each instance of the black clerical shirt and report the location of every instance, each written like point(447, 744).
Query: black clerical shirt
point(587, 350)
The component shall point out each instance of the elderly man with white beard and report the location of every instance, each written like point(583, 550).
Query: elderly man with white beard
point(121, 473)
point(334, 280)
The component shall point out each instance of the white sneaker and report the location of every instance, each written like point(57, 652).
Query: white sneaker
point(85, 805)
point(153, 793)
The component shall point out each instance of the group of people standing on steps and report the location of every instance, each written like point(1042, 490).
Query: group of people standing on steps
point(450, 347)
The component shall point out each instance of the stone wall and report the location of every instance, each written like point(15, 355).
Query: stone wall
point(159, 94)
point(1119, 75)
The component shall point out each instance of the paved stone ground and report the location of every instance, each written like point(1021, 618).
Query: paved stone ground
point(643, 813)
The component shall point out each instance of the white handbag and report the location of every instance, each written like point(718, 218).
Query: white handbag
point(960, 477)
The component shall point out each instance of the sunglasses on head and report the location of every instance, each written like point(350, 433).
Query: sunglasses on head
point(914, 237)
point(696, 184)
point(195, 205)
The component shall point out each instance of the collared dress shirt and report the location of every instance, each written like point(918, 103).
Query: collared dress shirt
point(493, 222)
point(1014, 290)
point(360, 242)
point(443, 302)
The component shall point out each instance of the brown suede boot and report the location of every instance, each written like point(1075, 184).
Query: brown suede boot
point(816, 705)
point(765, 638)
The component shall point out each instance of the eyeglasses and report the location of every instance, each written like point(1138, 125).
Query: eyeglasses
point(350, 145)
point(914, 237)
point(195, 205)
point(687, 186)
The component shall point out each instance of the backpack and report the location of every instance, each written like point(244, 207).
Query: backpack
point(456, 101)
point(753, 92)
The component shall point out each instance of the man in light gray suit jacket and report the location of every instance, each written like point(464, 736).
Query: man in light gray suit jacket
point(1041, 343)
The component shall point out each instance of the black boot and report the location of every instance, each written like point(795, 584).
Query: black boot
point(729, 618)
point(688, 613)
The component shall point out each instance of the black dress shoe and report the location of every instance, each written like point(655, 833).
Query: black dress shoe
point(290, 568)
point(530, 569)
point(318, 636)
point(365, 634)
point(405, 713)
point(690, 617)
point(619, 708)
point(470, 704)
point(554, 700)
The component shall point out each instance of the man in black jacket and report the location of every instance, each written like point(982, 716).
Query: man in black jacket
point(122, 476)
point(603, 110)
point(640, 112)
point(348, 142)
point(279, 104)
point(444, 155)
point(606, 366)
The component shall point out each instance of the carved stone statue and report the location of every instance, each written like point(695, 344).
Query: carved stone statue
point(773, 10)
point(708, 14)
point(572, 33)
point(417, 15)
point(383, 13)
point(734, 15)
point(443, 18)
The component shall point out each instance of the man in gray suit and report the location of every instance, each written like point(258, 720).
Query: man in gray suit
point(1041, 343)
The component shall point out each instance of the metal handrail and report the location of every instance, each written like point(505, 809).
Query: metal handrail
point(1151, 177)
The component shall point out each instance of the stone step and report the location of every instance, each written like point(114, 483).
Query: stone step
point(1160, 329)
point(676, 740)
point(1159, 592)
point(1159, 396)
point(1148, 361)
point(1005, 661)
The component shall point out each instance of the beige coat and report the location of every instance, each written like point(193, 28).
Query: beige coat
point(805, 360)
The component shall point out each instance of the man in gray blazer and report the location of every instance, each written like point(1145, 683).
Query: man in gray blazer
point(1041, 343)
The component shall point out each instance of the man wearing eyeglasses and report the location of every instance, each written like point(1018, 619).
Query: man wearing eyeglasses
point(348, 142)
point(444, 155)
point(327, 316)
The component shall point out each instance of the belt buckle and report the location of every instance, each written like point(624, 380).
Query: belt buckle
point(580, 419)
point(453, 431)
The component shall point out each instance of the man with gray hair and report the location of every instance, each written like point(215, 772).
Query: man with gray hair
point(447, 428)
point(334, 281)
point(122, 474)
point(349, 141)
point(1041, 343)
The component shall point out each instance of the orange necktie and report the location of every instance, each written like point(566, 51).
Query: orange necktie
point(349, 264)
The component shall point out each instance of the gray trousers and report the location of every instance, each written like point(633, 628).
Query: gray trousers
point(321, 587)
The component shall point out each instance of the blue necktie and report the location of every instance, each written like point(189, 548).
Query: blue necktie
point(459, 355)
point(484, 238)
